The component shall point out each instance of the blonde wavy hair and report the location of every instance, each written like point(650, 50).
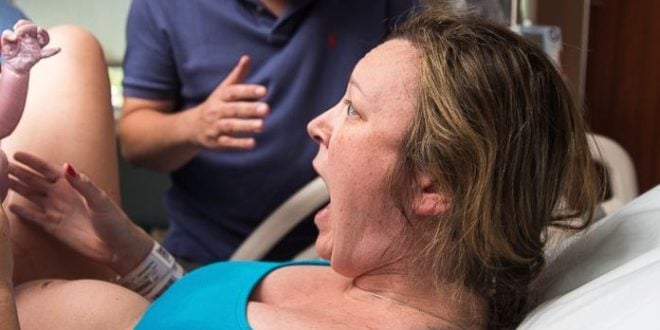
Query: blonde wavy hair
point(498, 131)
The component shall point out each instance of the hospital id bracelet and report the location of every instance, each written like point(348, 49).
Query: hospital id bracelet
point(154, 274)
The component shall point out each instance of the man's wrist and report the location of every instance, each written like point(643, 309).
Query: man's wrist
point(185, 129)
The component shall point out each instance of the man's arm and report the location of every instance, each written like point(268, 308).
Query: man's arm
point(153, 136)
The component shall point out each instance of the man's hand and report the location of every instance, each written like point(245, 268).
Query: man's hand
point(230, 114)
point(23, 47)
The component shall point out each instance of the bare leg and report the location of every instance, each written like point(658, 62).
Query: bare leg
point(67, 118)
point(79, 304)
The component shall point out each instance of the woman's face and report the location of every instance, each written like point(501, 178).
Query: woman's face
point(358, 142)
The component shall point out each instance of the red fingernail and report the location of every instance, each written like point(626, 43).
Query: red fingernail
point(70, 171)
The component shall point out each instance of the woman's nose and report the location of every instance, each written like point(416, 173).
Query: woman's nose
point(319, 128)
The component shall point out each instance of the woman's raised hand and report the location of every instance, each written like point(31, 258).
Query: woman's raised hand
point(70, 207)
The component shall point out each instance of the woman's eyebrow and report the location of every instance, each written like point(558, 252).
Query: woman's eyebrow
point(354, 83)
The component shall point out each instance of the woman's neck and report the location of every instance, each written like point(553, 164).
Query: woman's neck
point(450, 304)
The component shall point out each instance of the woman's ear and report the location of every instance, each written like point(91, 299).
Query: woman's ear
point(428, 200)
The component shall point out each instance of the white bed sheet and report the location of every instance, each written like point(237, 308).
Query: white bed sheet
point(608, 277)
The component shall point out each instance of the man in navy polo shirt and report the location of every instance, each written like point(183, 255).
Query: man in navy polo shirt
point(219, 93)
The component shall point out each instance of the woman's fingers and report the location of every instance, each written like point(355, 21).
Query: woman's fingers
point(34, 179)
point(30, 215)
point(48, 171)
point(35, 182)
point(96, 198)
point(26, 192)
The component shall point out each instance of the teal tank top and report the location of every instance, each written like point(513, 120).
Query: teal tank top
point(212, 297)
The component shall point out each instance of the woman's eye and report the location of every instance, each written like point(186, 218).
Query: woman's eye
point(350, 110)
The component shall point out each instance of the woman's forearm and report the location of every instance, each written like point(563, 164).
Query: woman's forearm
point(134, 247)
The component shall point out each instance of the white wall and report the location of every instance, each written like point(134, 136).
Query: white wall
point(105, 19)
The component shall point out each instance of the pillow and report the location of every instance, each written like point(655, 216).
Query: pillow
point(607, 277)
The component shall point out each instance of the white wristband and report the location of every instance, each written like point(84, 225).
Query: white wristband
point(154, 274)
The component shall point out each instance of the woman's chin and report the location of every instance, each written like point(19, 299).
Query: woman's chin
point(323, 248)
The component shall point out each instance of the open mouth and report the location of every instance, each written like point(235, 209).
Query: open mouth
point(321, 217)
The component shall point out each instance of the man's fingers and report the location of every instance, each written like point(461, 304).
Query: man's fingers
point(244, 110)
point(228, 142)
point(237, 74)
point(240, 92)
point(239, 126)
point(227, 91)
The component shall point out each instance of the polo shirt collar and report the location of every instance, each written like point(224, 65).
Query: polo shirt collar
point(283, 27)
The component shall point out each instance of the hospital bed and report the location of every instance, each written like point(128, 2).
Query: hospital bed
point(607, 277)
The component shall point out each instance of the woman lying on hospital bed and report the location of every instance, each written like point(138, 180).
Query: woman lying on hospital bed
point(455, 146)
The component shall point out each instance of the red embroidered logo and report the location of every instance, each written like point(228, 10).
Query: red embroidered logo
point(332, 40)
